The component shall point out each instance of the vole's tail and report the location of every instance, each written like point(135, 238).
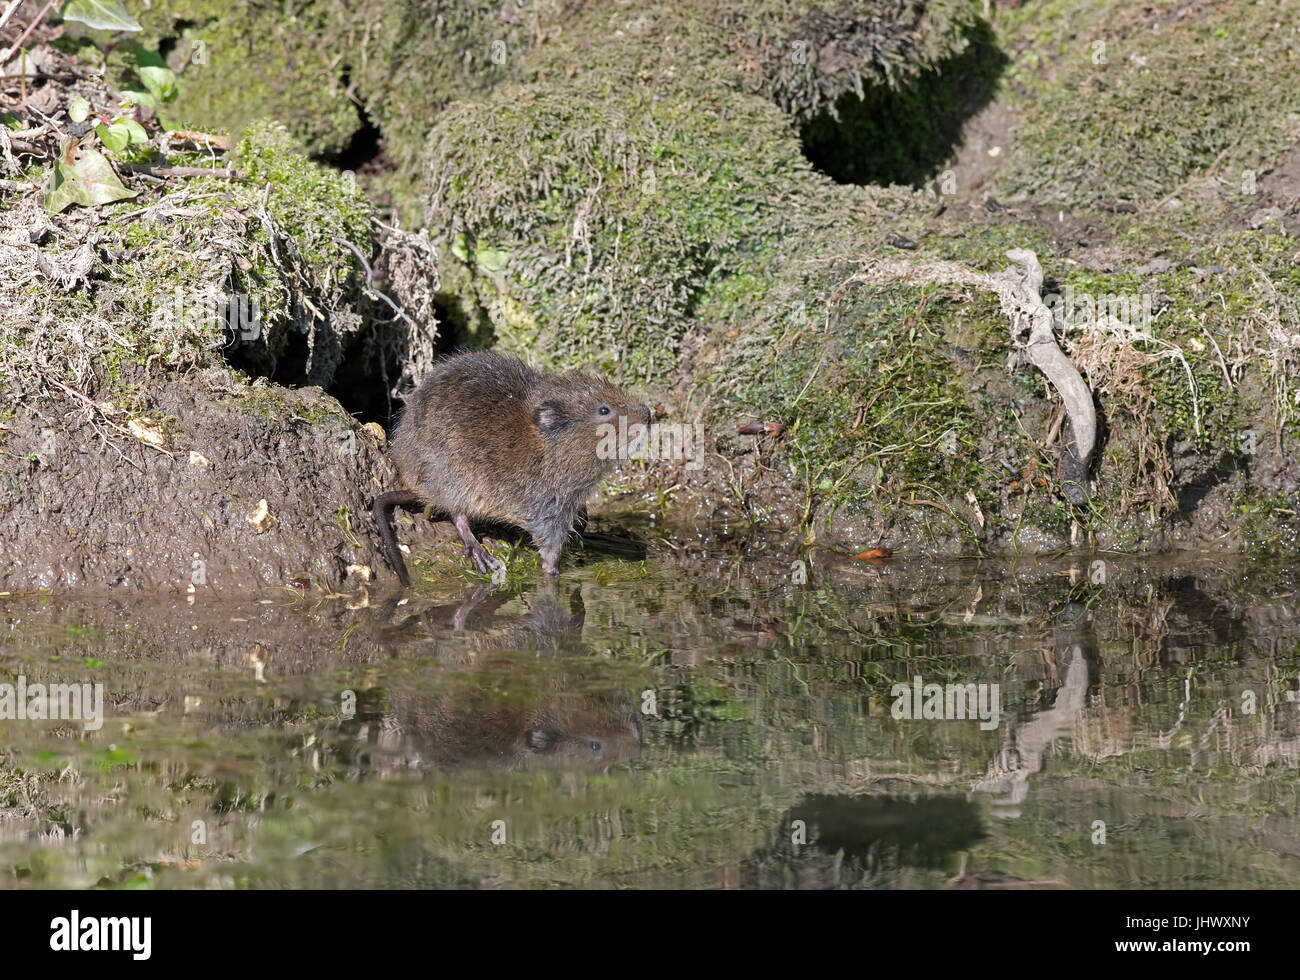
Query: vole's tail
point(383, 508)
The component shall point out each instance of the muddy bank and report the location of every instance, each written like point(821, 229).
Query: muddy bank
point(237, 495)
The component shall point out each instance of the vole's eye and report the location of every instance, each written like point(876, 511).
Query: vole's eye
point(603, 410)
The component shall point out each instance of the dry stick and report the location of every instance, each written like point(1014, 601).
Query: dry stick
point(1031, 328)
point(1187, 183)
point(27, 33)
point(150, 170)
point(9, 12)
point(108, 442)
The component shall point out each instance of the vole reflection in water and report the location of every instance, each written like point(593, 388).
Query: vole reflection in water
point(530, 711)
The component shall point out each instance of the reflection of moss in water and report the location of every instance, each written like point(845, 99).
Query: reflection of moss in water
point(795, 726)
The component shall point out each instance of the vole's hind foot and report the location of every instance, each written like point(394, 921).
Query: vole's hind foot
point(487, 564)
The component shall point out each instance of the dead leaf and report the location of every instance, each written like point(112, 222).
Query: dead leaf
point(875, 554)
point(82, 176)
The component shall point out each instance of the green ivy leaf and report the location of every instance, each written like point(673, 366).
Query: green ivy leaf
point(78, 110)
point(115, 137)
point(100, 15)
point(135, 97)
point(134, 130)
point(160, 82)
point(153, 70)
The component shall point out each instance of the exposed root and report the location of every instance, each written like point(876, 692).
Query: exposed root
point(1031, 330)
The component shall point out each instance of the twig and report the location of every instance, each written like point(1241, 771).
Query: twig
point(370, 281)
point(27, 33)
point(1223, 364)
point(9, 12)
point(1031, 328)
point(90, 402)
point(198, 139)
point(152, 170)
point(1187, 183)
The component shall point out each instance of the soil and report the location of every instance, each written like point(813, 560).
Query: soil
point(85, 506)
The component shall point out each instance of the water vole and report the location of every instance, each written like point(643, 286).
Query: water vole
point(486, 437)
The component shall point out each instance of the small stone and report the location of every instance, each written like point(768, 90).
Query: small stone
point(1155, 267)
point(1265, 216)
point(146, 431)
point(199, 460)
point(260, 517)
point(376, 430)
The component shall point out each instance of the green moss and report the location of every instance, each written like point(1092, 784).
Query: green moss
point(318, 209)
point(1270, 525)
point(415, 57)
point(1123, 103)
point(239, 62)
point(806, 56)
point(272, 244)
point(592, 223)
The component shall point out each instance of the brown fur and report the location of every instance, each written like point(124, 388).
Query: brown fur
point(568, 730)
point(488, 438)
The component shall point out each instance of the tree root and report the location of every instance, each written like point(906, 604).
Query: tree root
point(1020, 292)
point(1031, 330)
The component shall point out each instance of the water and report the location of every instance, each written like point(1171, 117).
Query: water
point(696, 720)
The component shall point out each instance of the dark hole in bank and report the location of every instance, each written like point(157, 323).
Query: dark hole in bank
point(366, 151)
point(364, 378)
point(854, 840)
point(906, 136)
point(371, 365)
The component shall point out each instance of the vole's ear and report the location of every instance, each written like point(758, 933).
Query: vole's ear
point(540, 739)
point(549, 417)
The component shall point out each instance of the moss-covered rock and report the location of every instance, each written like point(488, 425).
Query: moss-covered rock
point(586, 214)
point(239, 62)
point(1125, 102)
point(806, 56)
point(327, 68)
